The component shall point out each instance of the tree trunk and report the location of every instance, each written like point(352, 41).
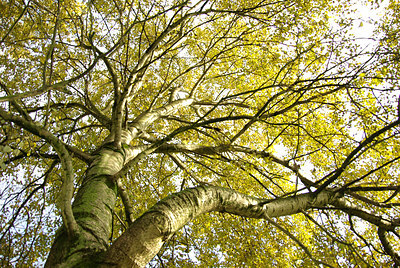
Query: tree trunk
point(97, 195)
point(96, 198)
point(92, 209)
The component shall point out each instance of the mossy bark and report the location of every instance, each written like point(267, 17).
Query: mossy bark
point(92, 209)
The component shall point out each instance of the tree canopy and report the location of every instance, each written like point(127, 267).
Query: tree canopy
point(209, 133)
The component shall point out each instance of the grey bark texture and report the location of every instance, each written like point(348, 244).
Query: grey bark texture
point(144, 238)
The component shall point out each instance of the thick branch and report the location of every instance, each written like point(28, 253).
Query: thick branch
point(87, 158)
point(127, 203)
point(365, 215)
point(143, 121)
point(388, 247)
point(144, 238)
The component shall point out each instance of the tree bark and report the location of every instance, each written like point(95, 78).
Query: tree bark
point(95, 200)
point(92, 209)
point(145, 237)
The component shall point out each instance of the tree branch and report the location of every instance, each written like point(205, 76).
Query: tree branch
point(143, 121)
point(352, 209)
point(67, 187)
point(127, 203)
point(136, 248)
point(15, 22)
point(15, 104)
point(216, 150)
point(382, 233)
point(353, 154)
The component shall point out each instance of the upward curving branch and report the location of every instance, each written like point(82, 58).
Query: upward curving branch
point(359, 150)
point(144, 238)
point(67, 188)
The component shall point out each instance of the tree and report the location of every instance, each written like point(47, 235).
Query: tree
point(244, 133)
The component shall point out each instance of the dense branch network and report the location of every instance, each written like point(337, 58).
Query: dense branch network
point(259, 108)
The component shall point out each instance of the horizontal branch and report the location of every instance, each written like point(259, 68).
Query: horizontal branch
point(214, 150)
point(352, 209)
point(144, 238)
point(373, 188)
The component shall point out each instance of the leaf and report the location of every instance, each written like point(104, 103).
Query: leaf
point(6, 149)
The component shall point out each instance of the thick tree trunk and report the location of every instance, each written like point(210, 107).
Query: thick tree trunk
point(97, 195)
point(92, 209)
point(143, 239)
